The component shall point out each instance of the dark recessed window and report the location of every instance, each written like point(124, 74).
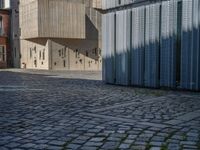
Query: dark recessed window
point(64, 63)
point(2, 53)
point(77, 54)
point(1, 25)
point(30, 53)
point(43, 55)
point(40, 55)
point(59, 52)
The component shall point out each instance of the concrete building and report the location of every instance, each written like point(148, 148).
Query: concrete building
point(60, 35)
point(151, 43)
point(5, 50)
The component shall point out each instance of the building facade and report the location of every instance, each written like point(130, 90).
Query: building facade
point(60, 35)
point(5, 50)
point(10, 34)
point(15, 33)
point(151, 43)
point(4, 4)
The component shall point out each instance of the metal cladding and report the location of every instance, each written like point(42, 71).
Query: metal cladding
point(122, 46)
point(168, 44)
point(153, 45)
point(109, 48)
point(138, 46)
point(190, 45)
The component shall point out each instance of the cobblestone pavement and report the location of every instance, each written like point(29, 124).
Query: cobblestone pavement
point(41, 112)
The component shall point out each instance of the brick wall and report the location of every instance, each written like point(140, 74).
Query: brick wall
point(4, 38)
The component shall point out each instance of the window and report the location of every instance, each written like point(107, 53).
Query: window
point(77, 54)
point(2, 53)
point(62, 52)
point(65, 52)
point(95, 51)
point(35, 49)
point(30, 53)
point(59, 52)
point(40, 55)
point(1, 25)
point(15, 52)
point(2, 5)
point(64, 63)
point(43, 54)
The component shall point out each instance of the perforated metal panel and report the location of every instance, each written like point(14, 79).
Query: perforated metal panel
point(190, 45)
point(104, 46)
point(122, 47)
point(109, 47)
point(198, 55)
point(138, 46)
point(168, 43)
point(152, 45)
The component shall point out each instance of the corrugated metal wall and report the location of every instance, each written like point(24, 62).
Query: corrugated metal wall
point(138, 46)
point(152, 30)
point(109, 47)
point(190, 45)
point(122, 47)
point(168, 44)
point(156, 45)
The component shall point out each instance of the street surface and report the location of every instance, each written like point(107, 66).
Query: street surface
point(55, 110)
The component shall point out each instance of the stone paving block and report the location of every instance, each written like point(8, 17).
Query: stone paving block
point(173, 146)
point(138, 147)
point(188, 143)
point(3, 142)
point(97, 139)
point(41, 146)
point(28, 145)
point(42, 141)
point(51, 147)
point(115, 139)
point(12, 145)
point(73, 146)
point(57, 143)
point(128, 141)
point(158, 144)
point(110, 145)
point(4, 148)
point(155, 148)
point(124, 146)
point(89, 148)
point(91, 143)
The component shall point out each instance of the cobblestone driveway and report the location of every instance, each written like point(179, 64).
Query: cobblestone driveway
point(41, 112)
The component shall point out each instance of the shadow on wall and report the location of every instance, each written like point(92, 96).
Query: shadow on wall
point(163, 67)
point(158, 52)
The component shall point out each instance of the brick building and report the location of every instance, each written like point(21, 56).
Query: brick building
point(5, 51)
